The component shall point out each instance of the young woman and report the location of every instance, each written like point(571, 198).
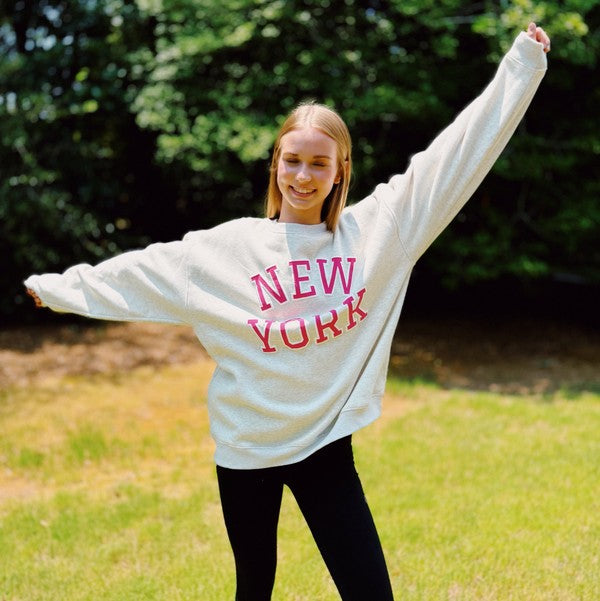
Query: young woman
point(298, 310)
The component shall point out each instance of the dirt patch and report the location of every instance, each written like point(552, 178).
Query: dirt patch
point(504, 356)
point(31, 354)
point(514, 356)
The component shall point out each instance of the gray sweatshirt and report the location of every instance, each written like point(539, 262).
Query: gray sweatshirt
point(300, 320)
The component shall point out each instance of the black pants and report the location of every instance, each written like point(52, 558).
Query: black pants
point(330, 496)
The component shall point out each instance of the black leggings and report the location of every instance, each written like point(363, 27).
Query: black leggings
point(330, 496)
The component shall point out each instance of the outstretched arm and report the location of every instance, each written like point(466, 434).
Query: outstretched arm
point(439, 181)
point(141, 285)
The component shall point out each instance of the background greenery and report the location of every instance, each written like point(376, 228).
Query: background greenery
point(128, 121)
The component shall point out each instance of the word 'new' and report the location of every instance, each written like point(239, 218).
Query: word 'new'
point(303, 287)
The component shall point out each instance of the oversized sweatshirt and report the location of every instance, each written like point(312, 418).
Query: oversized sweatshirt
point(299, 319)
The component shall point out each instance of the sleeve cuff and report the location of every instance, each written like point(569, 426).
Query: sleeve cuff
point(528, 52)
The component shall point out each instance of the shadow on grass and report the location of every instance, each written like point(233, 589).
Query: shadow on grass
point(507, 356)
point(576, 391)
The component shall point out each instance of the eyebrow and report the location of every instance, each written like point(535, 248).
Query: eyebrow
point(316, 156)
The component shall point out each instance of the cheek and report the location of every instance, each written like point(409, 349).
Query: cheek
point(329, 178)
point(282, 171)
point(280, 178)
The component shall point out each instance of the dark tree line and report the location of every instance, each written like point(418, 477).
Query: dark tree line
point(124, 122)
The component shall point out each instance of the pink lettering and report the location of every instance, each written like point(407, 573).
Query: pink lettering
point(337, 271)
point(285, 337)
point(322, 326)
point(352, 309)
point(277, 293)
point(264, 336)
point(295, 265)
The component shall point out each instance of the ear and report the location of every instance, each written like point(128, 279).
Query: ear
point(343, 170)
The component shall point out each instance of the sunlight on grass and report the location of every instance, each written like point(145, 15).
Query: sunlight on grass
point(107, 491)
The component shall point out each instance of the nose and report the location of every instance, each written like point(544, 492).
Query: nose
point(302, 175)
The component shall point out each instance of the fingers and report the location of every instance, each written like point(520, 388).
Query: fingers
point(543, 38)
point(539, 35)
point(36, 298)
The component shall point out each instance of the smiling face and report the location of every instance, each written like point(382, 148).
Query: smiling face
point(307, 170)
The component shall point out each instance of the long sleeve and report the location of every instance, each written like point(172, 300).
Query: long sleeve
point(440, 180)
point(141, 285)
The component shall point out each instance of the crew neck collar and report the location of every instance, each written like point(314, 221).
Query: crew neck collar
point(299, 228)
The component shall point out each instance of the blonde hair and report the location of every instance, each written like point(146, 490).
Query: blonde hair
point(323, 118)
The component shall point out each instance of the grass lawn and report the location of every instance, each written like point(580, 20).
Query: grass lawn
point(108, 492)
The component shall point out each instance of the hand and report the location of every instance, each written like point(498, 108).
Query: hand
point(36, 298)
point(537, 34)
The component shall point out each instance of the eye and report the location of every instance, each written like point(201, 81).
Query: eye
point(291, 161)
point(320, 164)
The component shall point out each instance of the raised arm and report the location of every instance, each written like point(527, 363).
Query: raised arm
point(141, 285)
point(439, 180)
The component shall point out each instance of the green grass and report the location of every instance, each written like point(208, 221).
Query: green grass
point(107, 492)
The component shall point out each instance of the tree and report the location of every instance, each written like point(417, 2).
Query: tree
point(123, 122)
point(398, 72)
point(75, 166)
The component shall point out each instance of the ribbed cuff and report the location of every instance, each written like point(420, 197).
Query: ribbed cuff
point(529, 52)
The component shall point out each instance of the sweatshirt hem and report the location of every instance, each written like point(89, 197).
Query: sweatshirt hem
point(348, 422)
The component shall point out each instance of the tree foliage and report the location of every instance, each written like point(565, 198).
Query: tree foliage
point(127, 121)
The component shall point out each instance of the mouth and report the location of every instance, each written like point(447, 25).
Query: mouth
point(302, 192)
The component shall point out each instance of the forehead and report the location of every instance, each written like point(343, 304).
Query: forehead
point(308, 141)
